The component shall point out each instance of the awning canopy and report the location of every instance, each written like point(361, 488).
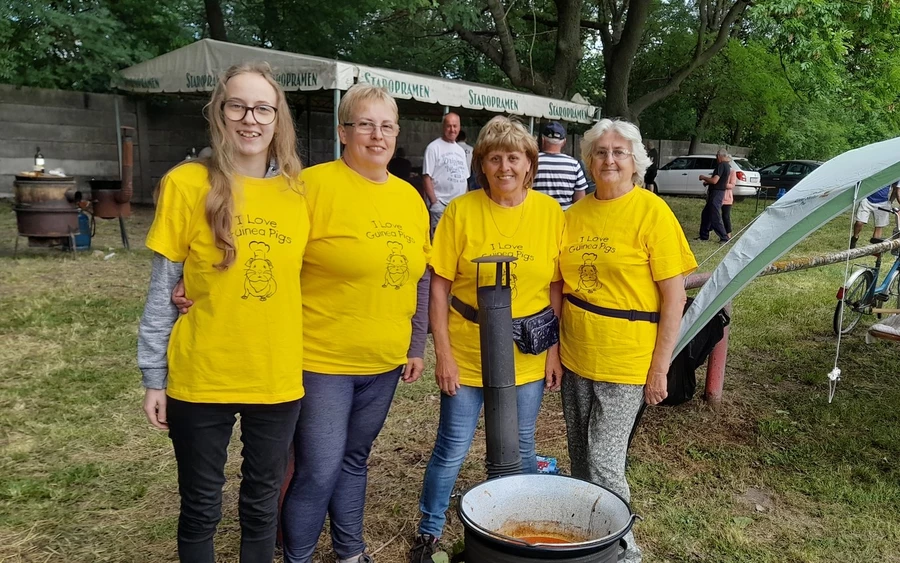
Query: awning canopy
point(825, 193)
point(196, 68)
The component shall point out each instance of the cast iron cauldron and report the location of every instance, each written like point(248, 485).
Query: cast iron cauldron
point(589, 519)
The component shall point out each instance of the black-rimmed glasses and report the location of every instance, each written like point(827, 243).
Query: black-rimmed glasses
point(263, 114)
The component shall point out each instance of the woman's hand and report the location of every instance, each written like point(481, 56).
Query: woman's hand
point(155, 408)
point(178, 298)
point(552, 369)
point(446, 374)
point(656, 388)
point(413, 370)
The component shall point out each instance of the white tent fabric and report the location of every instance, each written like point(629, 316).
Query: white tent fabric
point(823, 195)
point(461, 94)
point(196, 68)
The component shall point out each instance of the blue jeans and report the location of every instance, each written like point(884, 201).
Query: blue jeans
point(456, 429)
point(341, 417)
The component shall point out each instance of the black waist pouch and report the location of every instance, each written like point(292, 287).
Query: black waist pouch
point(534, 334)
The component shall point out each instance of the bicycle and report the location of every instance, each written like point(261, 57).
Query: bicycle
point(860, 295)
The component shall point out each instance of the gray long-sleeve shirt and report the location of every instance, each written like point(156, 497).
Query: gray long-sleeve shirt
point(157, 321)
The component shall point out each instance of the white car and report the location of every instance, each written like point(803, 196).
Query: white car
point(682, 176)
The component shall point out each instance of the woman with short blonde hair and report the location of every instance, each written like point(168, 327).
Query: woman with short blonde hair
point(364, 323)
point(505, 217)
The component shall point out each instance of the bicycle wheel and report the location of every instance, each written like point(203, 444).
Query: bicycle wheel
point(848, 310)
point(893, 299)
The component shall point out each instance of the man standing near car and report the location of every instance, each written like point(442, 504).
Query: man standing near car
point(711, 217)
point(558, 175)
point(444, 170)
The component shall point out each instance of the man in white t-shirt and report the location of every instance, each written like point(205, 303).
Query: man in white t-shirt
point(444, 170)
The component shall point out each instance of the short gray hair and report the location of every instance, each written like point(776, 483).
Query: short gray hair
point(629, 132)
point(723, 153)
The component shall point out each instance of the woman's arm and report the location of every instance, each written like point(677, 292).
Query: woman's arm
point(155, 327)
point(552, 366)
point(415, 362)
point(446, 372)
point(673, 298)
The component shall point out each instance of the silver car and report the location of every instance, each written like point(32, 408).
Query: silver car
point(682, 176)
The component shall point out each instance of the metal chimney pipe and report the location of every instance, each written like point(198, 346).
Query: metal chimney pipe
point(498, 370)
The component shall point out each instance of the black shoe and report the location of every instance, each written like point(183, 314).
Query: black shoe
point(701, 238)
point(423, 548)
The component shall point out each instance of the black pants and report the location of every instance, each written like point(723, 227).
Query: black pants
point(200, 433)
point(726, 217)
point(711, 217)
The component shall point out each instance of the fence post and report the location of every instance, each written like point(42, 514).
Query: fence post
point(715, 367)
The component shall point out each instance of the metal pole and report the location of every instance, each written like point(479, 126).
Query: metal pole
point(118, 136)
point(531, 125)
point(309, 142)
point(498, 370)
point(446, 110)
point(715, 367)
point(337, 138)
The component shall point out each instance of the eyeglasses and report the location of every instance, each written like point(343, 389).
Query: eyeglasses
point(617, 154)
point(263, 114)
point(367, 128)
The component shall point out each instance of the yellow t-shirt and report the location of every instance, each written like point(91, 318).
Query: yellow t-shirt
point(241, 342)
point(613, 253)
point(474, 226)
point(368, 248)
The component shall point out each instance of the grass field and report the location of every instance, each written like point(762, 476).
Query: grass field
point(775, 474)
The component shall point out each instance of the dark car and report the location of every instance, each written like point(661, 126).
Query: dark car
point(785, 174)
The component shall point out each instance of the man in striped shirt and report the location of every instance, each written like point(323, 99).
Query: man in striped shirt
point(558, 175)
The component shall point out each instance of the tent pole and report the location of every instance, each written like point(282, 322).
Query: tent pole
point(531, 125)
point(337, 139)
point(308, 130)
point(446, 110)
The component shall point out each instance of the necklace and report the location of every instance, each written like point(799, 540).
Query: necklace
point(491, 204)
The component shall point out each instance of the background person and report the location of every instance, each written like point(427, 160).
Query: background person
point(633, 268)
point(461, 141)
point(869, 207)
point(558, 175)
point(728, 199)
point(203, 368)
point(505, 214)
point(711, 216)
point(652, 169)
point(444, 170)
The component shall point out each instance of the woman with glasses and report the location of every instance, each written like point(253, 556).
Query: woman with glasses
point(364, 323)
point(623, 260)
point(235, 226)
point(506, 217)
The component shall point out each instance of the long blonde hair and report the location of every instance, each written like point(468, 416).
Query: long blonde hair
point(220, 166)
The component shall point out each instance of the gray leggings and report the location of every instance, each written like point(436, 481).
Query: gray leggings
point(599, 417)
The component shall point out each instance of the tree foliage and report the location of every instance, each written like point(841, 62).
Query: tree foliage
point(790, 78)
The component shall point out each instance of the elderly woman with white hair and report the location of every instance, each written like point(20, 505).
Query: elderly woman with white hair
point(623, 261)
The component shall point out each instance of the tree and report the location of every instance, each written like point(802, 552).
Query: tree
point(616, 28)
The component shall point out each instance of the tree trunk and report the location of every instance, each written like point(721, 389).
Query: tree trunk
point(695, 143)
point(215, 20)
